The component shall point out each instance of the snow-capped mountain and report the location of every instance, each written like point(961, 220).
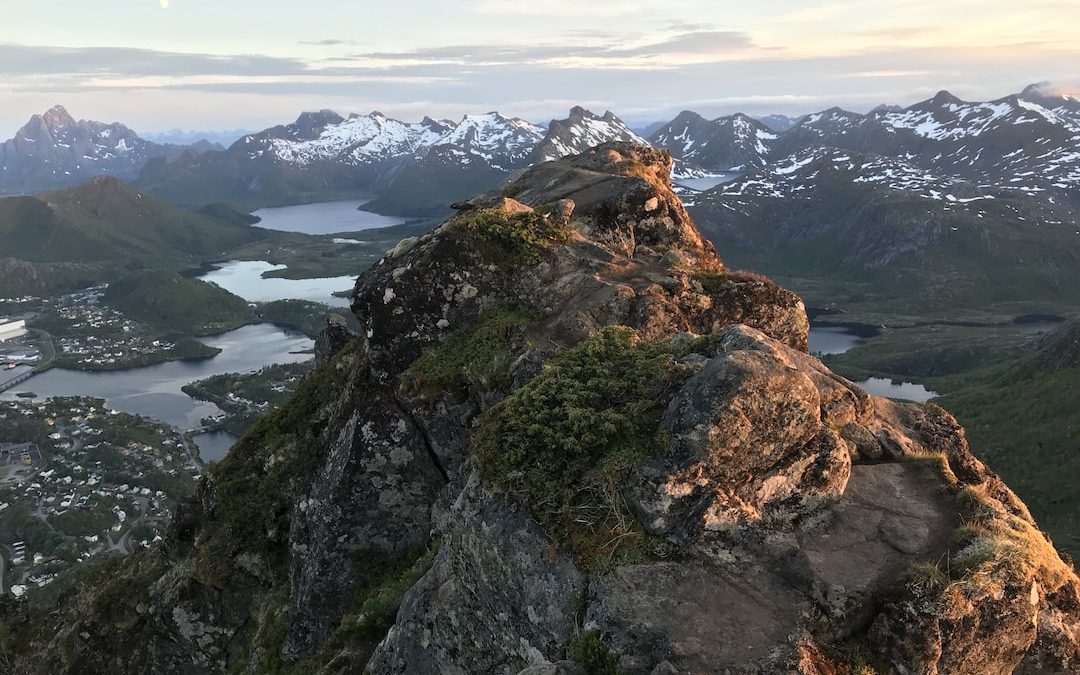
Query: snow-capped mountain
point(580, 131)
point(958, 202)
point(53, 150)
point(504, 143)
point(411, 168)
point(726, 144)
point(360, 139)
point(1018, 142)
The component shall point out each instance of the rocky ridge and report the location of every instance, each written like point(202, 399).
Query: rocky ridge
point(53, 150)
point(571, 440)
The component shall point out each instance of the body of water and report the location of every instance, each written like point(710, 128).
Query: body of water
point(707, 183)
point(325, 218)
point(155, 391)
point(245, 278)
point(215, 445)
point(832, 339)
point(907, 391)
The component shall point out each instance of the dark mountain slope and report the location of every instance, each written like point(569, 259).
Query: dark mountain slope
point(106, 219)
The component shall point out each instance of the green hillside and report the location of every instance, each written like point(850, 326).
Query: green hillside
point(108, 220)
point(170, 302)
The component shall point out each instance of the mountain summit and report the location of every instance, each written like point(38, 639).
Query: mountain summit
point(53, 150)
point(569, 439)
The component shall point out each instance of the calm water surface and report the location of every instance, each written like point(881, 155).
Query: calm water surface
point(155, 391)
point(907, 391)
point(215, 445)
point(245, 278)
point(832, 339)
point(325, 218)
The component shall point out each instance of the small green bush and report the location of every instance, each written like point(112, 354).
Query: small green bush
point(563, 443)
point(711, 281)
point(591, 652)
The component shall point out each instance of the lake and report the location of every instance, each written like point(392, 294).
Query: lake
point(215, 445)
point(706, 183)
point(325, 218)
point(245, 278)
point(907, 391)
point(832, 339)
point(155, 391)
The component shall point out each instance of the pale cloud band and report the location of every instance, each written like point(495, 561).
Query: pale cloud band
point(644, 61)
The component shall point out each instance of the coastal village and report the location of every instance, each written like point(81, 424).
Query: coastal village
point(89, 335)
point(79, 481)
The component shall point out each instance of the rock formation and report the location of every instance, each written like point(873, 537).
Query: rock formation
point(570, 440)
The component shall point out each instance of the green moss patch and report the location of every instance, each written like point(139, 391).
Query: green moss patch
point(480, 356)
point(563, 443)
point(517, 238)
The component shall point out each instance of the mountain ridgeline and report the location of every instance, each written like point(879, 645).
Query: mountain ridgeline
point(53, 151)
point(91, 233)
point(412, 169)
point(569, 439)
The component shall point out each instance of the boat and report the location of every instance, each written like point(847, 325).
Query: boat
point(10, 366)
point(26, 394)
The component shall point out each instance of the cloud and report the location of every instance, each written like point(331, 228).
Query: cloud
point(17, 60)
point(594, 50)
point(328, 43)
point(562, 8)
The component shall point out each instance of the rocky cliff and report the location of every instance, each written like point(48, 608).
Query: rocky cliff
point(570, 440)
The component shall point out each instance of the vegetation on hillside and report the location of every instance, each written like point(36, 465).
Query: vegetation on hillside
point(562, 443)
point(170, 302)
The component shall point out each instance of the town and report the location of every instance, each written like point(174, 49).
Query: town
point(86, 334)
point(79, 482)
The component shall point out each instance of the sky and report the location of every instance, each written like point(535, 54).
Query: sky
point(226, 64)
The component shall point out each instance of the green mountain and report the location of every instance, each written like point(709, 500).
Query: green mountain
point(168, 301)
point(108, 220)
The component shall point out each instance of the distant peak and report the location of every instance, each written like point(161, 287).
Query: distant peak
point(57, 117)
point(688, 115)
point(1036, 90)
point(944, 97)
point(886, 108)
point(578, 111)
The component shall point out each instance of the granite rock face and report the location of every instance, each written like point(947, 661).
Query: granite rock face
point(786, 521)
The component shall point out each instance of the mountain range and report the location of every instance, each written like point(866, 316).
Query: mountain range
point(966, 200)
point(947, 201)
point(53, 150)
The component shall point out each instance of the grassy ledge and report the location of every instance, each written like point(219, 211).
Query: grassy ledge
point(516, 238)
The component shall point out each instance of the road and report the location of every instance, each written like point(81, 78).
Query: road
point(48, 350)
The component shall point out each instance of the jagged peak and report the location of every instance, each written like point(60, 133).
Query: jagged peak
point(57, 117)
point(687, 116)
point(945, 97)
